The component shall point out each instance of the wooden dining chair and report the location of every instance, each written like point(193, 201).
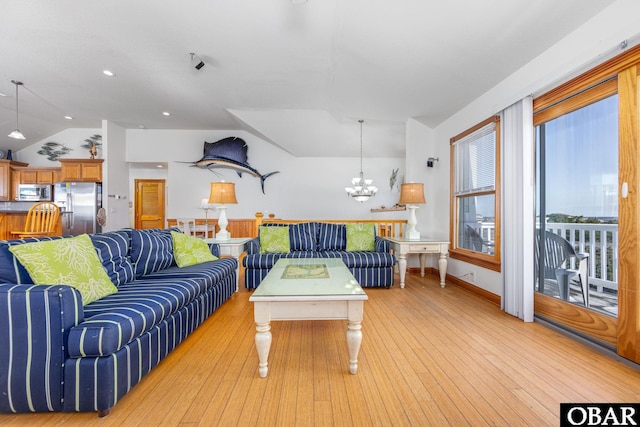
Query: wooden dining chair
point(42, 220)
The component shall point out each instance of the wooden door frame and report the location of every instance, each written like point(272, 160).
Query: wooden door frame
point(623, 331)
point(136, 207)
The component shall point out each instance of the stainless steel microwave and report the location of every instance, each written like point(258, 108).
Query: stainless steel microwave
point(34, 192)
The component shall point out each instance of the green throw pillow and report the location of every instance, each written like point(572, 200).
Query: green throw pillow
point(71, 261)
point(361, 237)
point(188, 250)
point(274, 240)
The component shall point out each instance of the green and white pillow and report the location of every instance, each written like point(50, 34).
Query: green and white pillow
point(71, 261)
point(361, 237)
point(274, 240)
point(188, 250)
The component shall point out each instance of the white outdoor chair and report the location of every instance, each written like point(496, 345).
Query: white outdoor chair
point(557, 256)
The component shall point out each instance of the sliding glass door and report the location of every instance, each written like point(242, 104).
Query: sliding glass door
point(577, 201)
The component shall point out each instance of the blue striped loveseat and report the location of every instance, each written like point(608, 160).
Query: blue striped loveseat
point(58, 355)
point(322, 240)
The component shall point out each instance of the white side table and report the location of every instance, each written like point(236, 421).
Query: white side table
point(233, 247)
point(424, 246)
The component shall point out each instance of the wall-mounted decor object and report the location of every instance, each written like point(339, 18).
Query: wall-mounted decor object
point(393, 179)
point(53, 150)
point(229, 153)
point(92, 144)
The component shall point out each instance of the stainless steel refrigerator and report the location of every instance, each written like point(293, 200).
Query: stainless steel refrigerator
point(80, 206)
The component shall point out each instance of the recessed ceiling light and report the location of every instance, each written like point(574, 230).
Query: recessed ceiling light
point(108, 73)
point(166, 113)
point(159, 166)
point(68, 117)
point(3, 94)
point(141, 127)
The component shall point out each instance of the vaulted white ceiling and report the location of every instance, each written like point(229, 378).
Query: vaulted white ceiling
point(298, 75)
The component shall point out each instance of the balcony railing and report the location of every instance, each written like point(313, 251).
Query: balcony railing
point(600, 241)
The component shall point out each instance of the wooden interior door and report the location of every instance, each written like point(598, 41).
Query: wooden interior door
point(149, 207)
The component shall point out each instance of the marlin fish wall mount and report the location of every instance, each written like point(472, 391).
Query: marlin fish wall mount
point(229, 153)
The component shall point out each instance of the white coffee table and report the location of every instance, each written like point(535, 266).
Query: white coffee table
point(308, 289)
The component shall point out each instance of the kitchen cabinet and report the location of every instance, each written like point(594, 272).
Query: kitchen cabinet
point(36, 175)
point(81, 170)
point(6, 175)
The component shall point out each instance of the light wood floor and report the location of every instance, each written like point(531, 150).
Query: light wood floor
point(430, 356)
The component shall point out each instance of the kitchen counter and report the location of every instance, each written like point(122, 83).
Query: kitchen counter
point(15, 220)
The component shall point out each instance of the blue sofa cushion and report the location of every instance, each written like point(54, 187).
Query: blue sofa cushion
point(113, 251)
point(11, 270)
point(211, 272)
point(268, 260)
point(118, 319)
point(303, 236)
point(151, 250)
point(361, 259)
point(332, 237)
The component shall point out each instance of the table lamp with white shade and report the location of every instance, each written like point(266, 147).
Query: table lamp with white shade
point(411, 194)
point(223, 193)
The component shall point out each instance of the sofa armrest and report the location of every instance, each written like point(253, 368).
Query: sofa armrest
point(382, 244)
point(215, 249)
point(34, 326)
point(253, 246)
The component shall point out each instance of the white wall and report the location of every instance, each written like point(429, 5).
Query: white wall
point(310, 188)
point(71, 138)
point(115, 177)
point(592, 43)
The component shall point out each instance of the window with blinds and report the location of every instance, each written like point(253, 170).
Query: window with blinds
point(474, 199)
point(475, 161)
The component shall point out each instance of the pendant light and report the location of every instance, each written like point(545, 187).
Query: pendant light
point(363, 189)
point(16, 134)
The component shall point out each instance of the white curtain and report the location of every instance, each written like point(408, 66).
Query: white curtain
point(518, 215)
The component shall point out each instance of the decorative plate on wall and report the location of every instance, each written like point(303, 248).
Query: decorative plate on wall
point(101, 217)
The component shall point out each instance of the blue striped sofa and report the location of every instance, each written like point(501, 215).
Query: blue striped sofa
point(322, 240)
point(58, 355)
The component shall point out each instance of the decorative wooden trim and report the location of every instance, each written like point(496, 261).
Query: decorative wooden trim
point(628, 214)
point(495, 299)
point(620, 74)
point(491, 262)
point(403, 208)
point(577, 101)
point(492, 119)
point(384, 227)
point(490, 296)
point(586, 80)
point(81, 160)
point(476, 258)
point(587, 322)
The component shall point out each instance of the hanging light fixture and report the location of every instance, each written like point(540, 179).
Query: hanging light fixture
point(16, 134)
point(362, 189)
